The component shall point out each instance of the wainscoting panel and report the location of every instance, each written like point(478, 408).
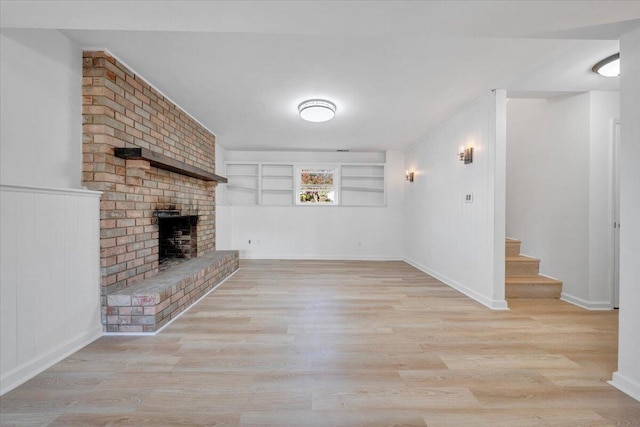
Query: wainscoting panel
point(50, 278)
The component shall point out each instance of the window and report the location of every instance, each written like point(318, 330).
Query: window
point(316, 186)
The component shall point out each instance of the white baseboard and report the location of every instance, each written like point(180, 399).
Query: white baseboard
point(320, 257)
point(23, 373)
point(626, 385)
point(589, 305)
point(491, 303)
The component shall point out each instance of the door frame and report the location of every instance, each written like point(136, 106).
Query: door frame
point(614, 224)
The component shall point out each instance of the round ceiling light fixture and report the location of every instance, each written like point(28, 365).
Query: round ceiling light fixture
point(608, 67)
point(317, 110)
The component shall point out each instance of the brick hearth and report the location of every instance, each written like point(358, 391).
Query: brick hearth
point(151, 303)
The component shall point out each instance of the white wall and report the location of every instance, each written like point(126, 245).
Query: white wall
point(224, 218)
point(318, 232)
point(50, 265)
point(627, 378)
point(41, 104)
point(559, 189)
point(50, 278)
point(460, 243)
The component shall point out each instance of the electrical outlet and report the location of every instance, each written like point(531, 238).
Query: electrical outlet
point(468, 198)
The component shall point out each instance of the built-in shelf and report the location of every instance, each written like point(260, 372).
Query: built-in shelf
point(277, 184)
point(274, 184)
point(237, 187)
point(370, 189)
point(362, 184)
point(167, 163)
point(244, 183)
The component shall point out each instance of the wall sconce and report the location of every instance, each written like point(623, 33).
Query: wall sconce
point(408, 176)
point(466, 155)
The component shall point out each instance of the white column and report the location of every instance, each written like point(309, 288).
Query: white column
point(627, 378)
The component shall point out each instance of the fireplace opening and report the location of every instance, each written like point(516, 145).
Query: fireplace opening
point(178, 239)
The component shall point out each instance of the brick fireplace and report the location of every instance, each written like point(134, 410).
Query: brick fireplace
point(148, 157)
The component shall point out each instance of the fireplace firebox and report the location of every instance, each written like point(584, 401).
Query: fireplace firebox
point(178, 239)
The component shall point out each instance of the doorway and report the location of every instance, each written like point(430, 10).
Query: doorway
point(616, 215)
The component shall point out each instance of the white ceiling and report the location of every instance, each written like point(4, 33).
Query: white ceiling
point(394, 69)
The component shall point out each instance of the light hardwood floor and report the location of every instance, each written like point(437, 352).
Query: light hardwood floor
point(328, 343)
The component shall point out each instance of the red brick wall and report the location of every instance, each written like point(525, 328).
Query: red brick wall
point(121, 110)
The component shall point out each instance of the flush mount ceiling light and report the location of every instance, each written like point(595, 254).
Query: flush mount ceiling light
point(608, 67)
point(317, 110)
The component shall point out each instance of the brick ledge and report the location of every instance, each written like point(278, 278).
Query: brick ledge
point(153, 302)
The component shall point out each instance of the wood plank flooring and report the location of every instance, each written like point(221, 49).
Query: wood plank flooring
point(328, 343)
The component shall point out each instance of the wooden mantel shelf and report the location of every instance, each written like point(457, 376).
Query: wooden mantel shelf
point(163, 162)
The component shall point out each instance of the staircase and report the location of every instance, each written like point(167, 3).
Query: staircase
point(521, 276)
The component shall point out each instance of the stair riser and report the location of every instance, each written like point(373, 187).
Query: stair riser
point(533, 291)
point(514, 268)
point(512, 249)
point(522, 279)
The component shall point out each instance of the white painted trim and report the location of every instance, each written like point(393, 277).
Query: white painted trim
point(614, 164)
point(498, 192)
point(319, 258)
point(23, 373)
point(97, 49)
point(125, 334)
point(529, 256)
point(549, 277)
point(46, 190)
point(540, 273)
point(490, 303)
point(625, 385)
point(588, 305)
